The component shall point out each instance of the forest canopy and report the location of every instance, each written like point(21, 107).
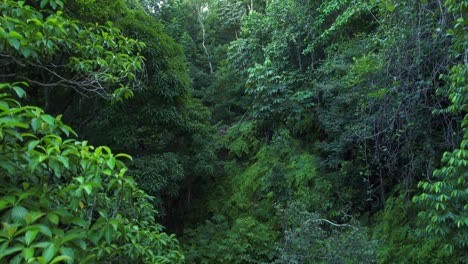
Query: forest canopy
point(233, 131)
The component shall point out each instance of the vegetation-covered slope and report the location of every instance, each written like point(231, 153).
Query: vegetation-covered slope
point(264, 131)
point(335, 110)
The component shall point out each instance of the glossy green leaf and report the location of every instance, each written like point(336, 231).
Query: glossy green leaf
point(19, 91)
point(53, 218)
point(30, 236)
point(49, 252)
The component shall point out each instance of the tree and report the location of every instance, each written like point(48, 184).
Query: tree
point(163, 126)
point(64, 200)
point(308, 238)
point(48, 50)
point(445, 200)
point(357, 84)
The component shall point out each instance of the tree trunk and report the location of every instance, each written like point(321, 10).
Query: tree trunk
point(203, 39)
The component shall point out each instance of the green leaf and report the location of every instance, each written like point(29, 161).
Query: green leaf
point(4, 106)
point(33, 144)
point(56, 167)
point(59, 3)
point(111, 163)
point(3, 204)
point(37, 22)
point(48, 119)
point(88, 188)
point(42, 244)
point(28, 253)
point(16, 259)
point(124, 155)
point(11, 169)
point(10, 251)
point(14, 124)
point(79, 222)
point(73, 235)
point(14, 34)
point(49, 252)
point(53, 4)
point(30, 236)
point(61, 258)
point(64, 161)
point(53, 218)
point(19, 91)
point(45, 230)
point(10, 230)
point(18, 213)
point(35, 123)
point(44, 3)
point(32, 217)
point(66, 251)
point(26, 52)
point(108, 233)
point(80, 179)
point(15, 43)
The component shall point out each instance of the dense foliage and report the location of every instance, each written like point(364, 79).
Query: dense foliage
point(90, 58)
point(261, 131)
point(365, 96)
point(65, 200)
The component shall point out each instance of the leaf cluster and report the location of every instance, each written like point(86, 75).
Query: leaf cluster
point(63, 200)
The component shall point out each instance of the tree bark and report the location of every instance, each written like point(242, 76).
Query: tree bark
point(203, 39)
